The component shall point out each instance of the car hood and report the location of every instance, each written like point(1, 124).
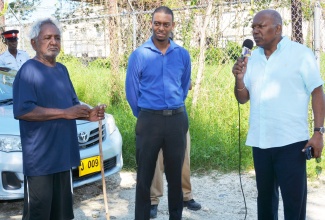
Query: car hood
point(9, 125)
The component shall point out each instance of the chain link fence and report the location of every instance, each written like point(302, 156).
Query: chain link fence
point(213, 33)
point(214, 30)
point(208, 29)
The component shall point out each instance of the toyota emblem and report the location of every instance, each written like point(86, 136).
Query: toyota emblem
point(83, 137)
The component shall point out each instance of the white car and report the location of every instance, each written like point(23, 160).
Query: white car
point(11, 167)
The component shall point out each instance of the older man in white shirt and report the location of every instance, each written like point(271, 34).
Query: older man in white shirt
point(278, 80)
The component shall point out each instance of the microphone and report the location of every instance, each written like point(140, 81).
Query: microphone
point(247, 48)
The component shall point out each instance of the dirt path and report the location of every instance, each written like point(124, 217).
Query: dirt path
point(219, 194)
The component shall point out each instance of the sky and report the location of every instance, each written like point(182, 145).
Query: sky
point(45, 9)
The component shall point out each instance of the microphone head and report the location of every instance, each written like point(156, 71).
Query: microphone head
point(247, 48)
point(248, 43)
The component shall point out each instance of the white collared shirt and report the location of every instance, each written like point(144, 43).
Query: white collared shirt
point(280, 90)
point(9, 61)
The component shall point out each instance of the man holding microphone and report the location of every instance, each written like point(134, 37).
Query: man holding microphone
point(278, 80)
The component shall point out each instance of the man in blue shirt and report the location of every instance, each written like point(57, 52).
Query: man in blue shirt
point(278, 80)
point(157, 83)
point(46, 105)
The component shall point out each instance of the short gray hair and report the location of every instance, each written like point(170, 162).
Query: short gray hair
point(277, 20)
point(36, 28)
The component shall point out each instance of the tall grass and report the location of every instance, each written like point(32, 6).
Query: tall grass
point(214, 121)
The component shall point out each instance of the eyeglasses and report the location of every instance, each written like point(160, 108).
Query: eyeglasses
point(158, 24)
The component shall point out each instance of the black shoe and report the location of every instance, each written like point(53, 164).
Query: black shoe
point(153, 211)
point(192, 205)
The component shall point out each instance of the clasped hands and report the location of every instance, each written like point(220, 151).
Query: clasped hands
point(85, 112)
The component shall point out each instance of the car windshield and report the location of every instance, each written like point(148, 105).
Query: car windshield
point(6, 80)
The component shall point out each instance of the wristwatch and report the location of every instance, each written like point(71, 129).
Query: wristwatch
point(320, 130)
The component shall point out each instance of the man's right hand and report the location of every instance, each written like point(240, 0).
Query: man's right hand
point(239, 68)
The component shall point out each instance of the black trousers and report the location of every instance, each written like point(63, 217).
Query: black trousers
point(48, 197)
point(153, 132)
point(283, 167)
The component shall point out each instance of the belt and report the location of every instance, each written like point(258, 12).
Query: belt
point(166, 112)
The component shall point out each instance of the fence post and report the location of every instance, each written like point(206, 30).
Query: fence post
point(134, 30)
point(134, 20)
point(317, 17)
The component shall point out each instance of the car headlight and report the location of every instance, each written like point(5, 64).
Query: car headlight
point(9, 143)
point(110, 123)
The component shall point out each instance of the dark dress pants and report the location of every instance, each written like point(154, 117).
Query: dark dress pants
point(283, 167)
point(153, 132)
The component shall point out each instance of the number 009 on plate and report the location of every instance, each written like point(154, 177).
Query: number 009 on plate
point(89, 165)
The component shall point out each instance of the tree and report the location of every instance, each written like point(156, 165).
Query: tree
point(114, 33)
point(202, 53)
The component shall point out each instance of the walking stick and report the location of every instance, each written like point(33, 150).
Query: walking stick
point(102, 167)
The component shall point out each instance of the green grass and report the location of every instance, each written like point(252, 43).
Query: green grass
point(214, 121)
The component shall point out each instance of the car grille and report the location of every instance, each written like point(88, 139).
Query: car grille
point(93, 138)
point(108, 165)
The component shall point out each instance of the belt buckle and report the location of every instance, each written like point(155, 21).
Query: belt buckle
point(167, 112)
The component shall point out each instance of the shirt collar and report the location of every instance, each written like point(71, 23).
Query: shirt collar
point(283, 42)
point(150, 45)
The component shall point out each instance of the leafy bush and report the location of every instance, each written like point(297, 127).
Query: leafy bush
point(194, 53)
point(100, 62)
point(107, 62)
point(233, 50)
point(67, 58)
point(215, 56)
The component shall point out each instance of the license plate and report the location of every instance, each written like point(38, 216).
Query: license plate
point(89, 165)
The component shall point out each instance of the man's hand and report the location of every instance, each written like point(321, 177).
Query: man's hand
point(97, 113)
point(316, 141)
point(77, 111)
point(239, 68)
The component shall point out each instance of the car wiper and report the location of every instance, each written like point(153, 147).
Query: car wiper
point(6, 102)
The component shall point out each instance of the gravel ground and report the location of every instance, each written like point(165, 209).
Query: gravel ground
point(219, 194)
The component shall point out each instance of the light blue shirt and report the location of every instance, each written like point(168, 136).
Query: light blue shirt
point(157, 81)
point(280, 90)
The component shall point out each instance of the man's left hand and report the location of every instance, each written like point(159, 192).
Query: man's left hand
point(97, 113)
point(317, 143)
